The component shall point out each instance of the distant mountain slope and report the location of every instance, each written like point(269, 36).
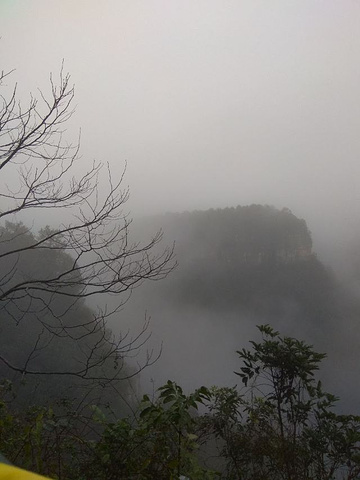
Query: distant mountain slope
point(252, 234)
point(239, 267)
point(252, 257)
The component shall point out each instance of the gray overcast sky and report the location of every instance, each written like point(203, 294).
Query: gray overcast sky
point(213, 103)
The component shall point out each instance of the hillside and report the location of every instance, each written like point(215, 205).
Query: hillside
point(253, 257)
point(252, 234)
point(241, 267)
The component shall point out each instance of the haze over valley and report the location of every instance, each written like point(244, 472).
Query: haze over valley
point(238, 268)
point(174, 174)
point(213, 105)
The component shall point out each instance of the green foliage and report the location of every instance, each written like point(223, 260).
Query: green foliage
point(161, 443)
point(42, 439)
point(281, 425)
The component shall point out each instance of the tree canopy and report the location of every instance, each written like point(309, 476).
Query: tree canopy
point(280, 424)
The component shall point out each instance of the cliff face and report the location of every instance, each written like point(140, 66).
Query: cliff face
point(254, 257)
point(252, 234)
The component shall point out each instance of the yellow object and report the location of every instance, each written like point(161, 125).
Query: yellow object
point(8, 472)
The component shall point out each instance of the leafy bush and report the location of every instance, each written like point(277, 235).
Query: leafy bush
point(280, 425)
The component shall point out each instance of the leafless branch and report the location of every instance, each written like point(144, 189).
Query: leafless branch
point(46, 276)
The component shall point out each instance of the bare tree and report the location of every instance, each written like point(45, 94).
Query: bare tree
point(90, 256)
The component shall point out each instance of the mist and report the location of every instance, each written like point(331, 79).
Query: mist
point(210, 104)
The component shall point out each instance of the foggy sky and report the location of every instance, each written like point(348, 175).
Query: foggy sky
point(213, 103)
